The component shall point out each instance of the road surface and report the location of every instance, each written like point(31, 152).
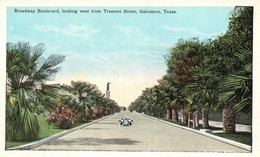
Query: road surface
point(144, 135)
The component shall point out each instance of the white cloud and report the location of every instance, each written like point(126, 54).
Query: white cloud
point(83, 31)
point(140, 38)
point(130, 56)
point(47, 28)
point(191, 30)
point(129, 30)
point(80, 31)
point(104, 57)
point(154, 43)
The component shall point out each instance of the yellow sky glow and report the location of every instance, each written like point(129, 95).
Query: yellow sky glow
point(123, 90)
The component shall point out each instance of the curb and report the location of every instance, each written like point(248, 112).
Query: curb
point(53, 137)
point(234, 143)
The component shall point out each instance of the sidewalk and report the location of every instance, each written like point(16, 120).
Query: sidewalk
point(239, 127)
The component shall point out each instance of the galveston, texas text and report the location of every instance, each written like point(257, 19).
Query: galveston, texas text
point(98, 11)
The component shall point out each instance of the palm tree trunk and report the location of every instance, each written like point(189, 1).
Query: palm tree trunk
point(205, 117)
point(184, 118)
point(175, 114)
point(189, 120)
point(84, 113)
point(197, 123)
point(169, 113)
point(229, 118)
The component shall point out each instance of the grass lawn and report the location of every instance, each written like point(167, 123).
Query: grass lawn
point(45, 131)
point(242, 137)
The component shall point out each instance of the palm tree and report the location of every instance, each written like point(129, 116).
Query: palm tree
point(82, 90)
point(236, 91)
point(88, 95)
point(166, 90)
point(27, 71)
point(236, 81)
point(203, 91)
point(239, 86)
point(181, 60)
point(138, 104)
point(112, 106)
point(158, 101)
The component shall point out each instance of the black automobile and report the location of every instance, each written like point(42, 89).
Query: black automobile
point(125, 122)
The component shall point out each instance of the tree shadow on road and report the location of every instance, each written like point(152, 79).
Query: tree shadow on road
point(107, 123)
point(88, 128)
point(94, 141)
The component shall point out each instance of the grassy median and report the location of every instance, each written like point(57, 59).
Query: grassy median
point(242, 137)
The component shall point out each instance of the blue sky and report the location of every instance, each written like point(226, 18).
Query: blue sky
point(124, 49)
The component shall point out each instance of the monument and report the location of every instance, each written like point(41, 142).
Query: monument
point(108, 92)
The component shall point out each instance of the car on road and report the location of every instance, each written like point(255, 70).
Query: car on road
point(125, 122)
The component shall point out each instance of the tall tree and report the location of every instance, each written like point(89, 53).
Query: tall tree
point(166, 89)
point(88, 95)
point(202, 90)
point(181, 60)
point(83, 91)
point(27, 72)
point(236, 47)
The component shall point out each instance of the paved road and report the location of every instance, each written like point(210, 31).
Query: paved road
point(144, 135)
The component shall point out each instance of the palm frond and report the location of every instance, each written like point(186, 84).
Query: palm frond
point(25, 74)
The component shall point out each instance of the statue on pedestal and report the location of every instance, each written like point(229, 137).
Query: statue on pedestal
point(108, 86)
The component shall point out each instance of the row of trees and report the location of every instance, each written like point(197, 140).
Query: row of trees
point(84, 97)
point(27, 92)
point(202, 76)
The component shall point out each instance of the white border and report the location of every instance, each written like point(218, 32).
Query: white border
point(256, 69)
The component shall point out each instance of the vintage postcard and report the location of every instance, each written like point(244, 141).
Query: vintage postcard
point(129, 78)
